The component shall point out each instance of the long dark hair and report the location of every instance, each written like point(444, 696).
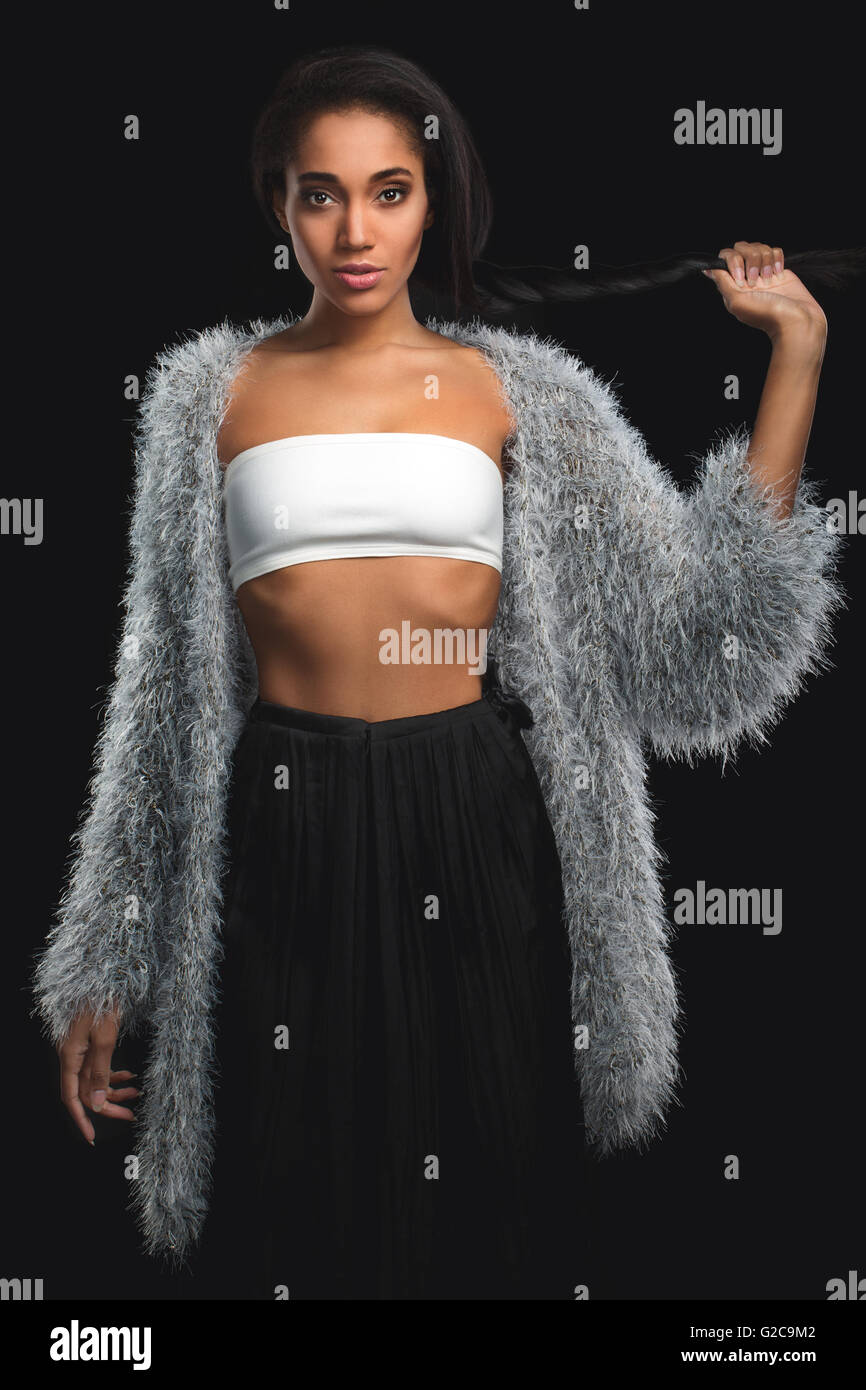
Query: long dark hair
point(379, 81)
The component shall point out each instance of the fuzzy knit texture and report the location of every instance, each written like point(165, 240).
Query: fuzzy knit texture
point(633, 616)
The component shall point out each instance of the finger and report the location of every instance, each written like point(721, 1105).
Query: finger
point(116, 1076)
point(79, 1115)
point(70, 1065)
point(85, 1083)
point(766, 263)
point(751, 259)
point(778, 260)
point(98, 1065)
point(735, 262)
point(116, 1112)
point(755, 262)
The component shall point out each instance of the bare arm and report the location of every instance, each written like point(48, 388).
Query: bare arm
point(784, 419)
point(780, 305)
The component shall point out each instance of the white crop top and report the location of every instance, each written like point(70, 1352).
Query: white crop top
point(331, 496)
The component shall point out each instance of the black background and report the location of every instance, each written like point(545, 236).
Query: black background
point(122, 247)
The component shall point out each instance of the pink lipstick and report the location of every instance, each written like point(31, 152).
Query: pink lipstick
point(359, 277)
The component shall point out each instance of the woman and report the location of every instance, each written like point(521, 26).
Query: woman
point(386, 1003)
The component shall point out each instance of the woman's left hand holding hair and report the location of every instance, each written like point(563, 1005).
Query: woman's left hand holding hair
point(760, 292)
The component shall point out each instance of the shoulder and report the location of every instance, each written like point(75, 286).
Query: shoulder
point(173, 380)
point(587, 395)
point(195, 352)
point(545, 370)
point(174, 372)
point(177, 373)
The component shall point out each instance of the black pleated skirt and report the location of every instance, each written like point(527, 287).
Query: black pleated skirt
point(397, 1111)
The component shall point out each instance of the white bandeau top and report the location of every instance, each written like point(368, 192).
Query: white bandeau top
point(331, 496)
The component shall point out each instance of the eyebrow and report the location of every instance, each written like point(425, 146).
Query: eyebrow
point(316, 177)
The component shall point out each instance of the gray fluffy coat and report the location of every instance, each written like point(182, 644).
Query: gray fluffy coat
point(620, 596)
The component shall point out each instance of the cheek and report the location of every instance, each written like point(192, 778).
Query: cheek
point(412, 234)
point(309, 246)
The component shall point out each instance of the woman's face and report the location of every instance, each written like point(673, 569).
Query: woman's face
point(355, 195)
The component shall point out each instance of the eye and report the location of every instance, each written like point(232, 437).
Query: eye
point(309, 194)
point(395, 188)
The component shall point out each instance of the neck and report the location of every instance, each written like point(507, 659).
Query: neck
point(326, 326)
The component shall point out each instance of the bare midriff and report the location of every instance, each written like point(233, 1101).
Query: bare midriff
point(320, 630)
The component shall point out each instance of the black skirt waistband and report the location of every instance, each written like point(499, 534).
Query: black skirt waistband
point(290, 717)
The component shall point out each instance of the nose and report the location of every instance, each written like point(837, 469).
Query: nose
point(354, 228)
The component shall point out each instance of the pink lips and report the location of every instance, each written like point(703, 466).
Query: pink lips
point(361, 281)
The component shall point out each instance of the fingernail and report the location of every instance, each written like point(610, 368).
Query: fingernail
point(98, 1100)
point(92, 1143)
point(738, 275)
point(768, 272)
point(753, 273)
point(778, 267)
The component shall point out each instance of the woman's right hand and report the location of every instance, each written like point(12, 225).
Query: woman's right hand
point(86, 1078)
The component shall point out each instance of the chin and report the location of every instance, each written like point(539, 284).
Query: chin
point(358, 305)
point(353, 308)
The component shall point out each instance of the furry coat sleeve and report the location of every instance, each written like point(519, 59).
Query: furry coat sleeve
point(102, 952)
point(718, 606)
